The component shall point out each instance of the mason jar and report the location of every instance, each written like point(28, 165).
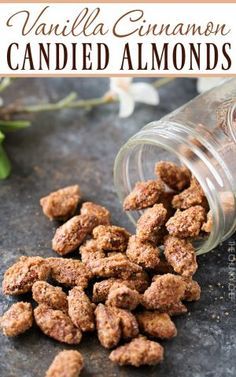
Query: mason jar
point(200, 135)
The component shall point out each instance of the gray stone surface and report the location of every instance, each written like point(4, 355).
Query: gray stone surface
point(78, 146)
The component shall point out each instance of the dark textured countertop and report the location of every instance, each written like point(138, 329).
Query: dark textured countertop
point(65, 147)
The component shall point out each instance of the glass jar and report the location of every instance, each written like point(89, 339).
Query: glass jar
point(200, 135)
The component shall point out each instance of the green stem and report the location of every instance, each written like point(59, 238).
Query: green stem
point(69, 102)
point(13, 125)
point(93, 102)
point(66, 103)
point(162, 82)
point(62, 104)
point(5, 165)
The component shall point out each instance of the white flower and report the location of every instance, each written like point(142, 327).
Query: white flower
point(1, 102)
point(128, 93)
point(206, 83)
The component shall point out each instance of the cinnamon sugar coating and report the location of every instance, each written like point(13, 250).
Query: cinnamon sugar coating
point(192, 196)
point(139, 351)
point(174, 309)
point(186, 223)
point(101, 213)
point(108, 326)
point(176, 177)
point(128, 323)
point(102, 288)
point(138, 281)
point(123, 297)
point(114, 266)
point(20, 277)
point(150, 223)
point(57, 325)
point(192, 290)
point(180, 254)
point(111, 237)
point(67, 363)
point(90, 251)
point(144, 194)
point(17, 319)
point(80, 309)
point(207, 226)
point(69, 272)
point(143, 253)
point(164, 291)
point(61, 204)
point(157, 324)
point(177, 308)
point(54, 297)
point(71, 234)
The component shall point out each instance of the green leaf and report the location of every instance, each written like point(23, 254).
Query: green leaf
point(2, 137)
point(5, 165)
point(13, 125)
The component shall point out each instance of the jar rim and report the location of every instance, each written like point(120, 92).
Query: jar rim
point(231, 121)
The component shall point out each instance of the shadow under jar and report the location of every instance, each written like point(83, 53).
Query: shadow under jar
point(200, 135)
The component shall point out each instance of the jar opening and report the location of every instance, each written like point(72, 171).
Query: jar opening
point(136, 162)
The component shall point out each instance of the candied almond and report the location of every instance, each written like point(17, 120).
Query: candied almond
point(20, 277)
point(61, 204)
point(101, 213)
point(57, 325)
point(164, 291)
point(174, 309)
point(17, 319)
point(207, 226)
point(123, 297)
point(80, 309)
point(144, 253)
point(90, 251)
point(192, 196)
point(150, 223)
point(186, 223)
point(111, 237)
point(157, 324)
point(71, 234)
point(192, 290)
point(69, 272)
point(128, 323)
point(139, 351)
point(227, 199)
point(101, 289)
point(177, 308)
point(180, 254)
point(176, 177)
point(67, 363)
point(144, 194)
point(108, 326)
point(114, 266)
point(45, 293)
point(138, 281)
